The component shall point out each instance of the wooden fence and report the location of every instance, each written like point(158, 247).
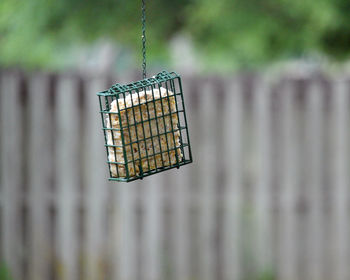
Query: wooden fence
point(267, 196)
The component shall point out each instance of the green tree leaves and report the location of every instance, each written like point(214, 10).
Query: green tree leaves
point(226, 33)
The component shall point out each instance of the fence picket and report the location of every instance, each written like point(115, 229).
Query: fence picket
point(340, 178)
point(314, 179)
point(115, 234)
point(262, 194)
point(39, 176)
point(95, 181)
point(127, 255)
point(181, 181)
point(152, 200)
point(206, 156)
point(289, 180)
point(10, 112)
point(123, 235)
point(181, 232)
point(233, 188)
point(67, 177)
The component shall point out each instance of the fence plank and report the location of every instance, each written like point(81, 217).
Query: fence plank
point(95, 182)
point(341, 181)
point(289, 180)
point(114, 237)
point(233, 117)
point(39, 176)
point(152, 202)
point(67, 177)
point(194, 191)
point(207, 169)
point(181, 181)
point(11, 157)
point(262, 191)
point(181, 245)
point(314, 180)
point(123, 236)
point(127, 255)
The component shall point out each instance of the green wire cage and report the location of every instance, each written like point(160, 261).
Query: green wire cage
point(145, 127)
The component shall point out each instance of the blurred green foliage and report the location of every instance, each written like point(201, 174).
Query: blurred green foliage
point(4, 272)
point(37, 33)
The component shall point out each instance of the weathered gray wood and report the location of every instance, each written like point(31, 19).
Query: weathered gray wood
point(262, 190)
point(195, 235)
point(193, 95)
point(340, 103)
point(233, 117)
point(181, 183)
point(11, 175)
point(114, 236)
point(181, 242)
point(207, 169)
point(68, 141)
point(152, 239)
point(40, 124)
point(287, 265)
point(314, 138)
point(122, 256)
point(128, 231)
point(95, 182)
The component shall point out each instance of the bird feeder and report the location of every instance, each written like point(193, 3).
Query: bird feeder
point(145, 127)
point(144, 124)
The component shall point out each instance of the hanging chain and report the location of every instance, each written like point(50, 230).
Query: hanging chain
point(144, 39)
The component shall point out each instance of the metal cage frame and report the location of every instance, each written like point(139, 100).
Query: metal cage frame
point(153, 106)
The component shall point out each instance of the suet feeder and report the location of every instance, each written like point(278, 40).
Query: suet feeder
point(144, 124)
point(145, 127)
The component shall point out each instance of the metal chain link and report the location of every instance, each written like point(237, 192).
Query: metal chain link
point(144, 39)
